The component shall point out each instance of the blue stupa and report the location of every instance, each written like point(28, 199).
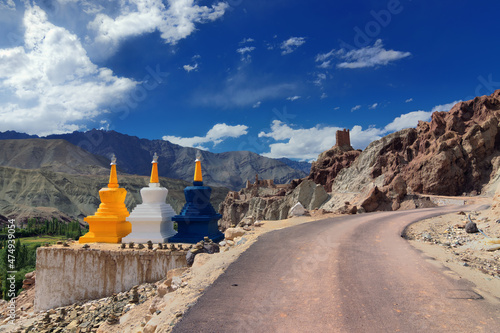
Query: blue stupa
point(197, 219)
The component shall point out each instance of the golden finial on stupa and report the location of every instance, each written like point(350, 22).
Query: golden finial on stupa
point(197, 170)
point(113, 179)
point(154, 170)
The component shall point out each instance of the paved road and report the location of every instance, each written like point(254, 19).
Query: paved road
point(347, 274)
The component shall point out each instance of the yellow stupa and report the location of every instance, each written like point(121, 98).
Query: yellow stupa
point(108, 225)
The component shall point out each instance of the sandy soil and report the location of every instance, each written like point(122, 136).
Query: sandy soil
point(473, 256)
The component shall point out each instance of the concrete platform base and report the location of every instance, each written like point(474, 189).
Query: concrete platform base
point(68, 275)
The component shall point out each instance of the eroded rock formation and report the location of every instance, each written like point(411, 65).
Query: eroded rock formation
point(264, 203)
point(332, 161)
point(455, 152)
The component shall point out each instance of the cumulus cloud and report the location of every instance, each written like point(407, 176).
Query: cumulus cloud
point(50, 85)
point(136, 17)
point(215, 135)
point(189, 68)
point(245, 49)
point(407, 120)
point(257, 105)
point(355, 108)
point(293, 98)
point(307, 143)
point(445, 107)
point(291, 44)
point(373, 106)
point(323, 96)
point(369, 56)
point(409, 100)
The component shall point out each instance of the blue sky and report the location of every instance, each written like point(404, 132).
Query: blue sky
point(274, 77)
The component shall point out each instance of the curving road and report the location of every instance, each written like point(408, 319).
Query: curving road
point(348, 274)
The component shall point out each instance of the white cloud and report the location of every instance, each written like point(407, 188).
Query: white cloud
point(215, 135)
point(239, 95)
point(373, 106)
point(246, 49)
point(325, 59)
point(293, 98)
point(320, 77)
point(7, 5)
point(308, 143)
point(354, 108)
point(256, 105)
point(323, 96)
point(407, 120)
point(137, 17)
point(445, 107)
point(325, 56)
point(50, 85)
point(189, 68)
point(247, 40)
point(292, 44)
point(369, 56)
point(243, 50)
point(409, 100)
point(337, 108)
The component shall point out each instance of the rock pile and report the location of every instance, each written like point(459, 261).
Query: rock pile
point(89, 316)
point(473, 250)
point(269, 203)
point(29, 280)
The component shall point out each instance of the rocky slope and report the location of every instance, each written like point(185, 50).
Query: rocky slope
point(269, 203)
point(46, 194)
point(55, 155)
point(456, 152)
point(329, 163)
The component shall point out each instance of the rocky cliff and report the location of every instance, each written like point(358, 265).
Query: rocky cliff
point(456, 152)
point(329, 163)
point(270, 203)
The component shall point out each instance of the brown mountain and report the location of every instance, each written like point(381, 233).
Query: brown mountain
point(55, 155)
point(456, 152)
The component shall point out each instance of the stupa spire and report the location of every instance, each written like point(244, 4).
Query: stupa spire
point(113, 179)
point(198, 177)
point(154, 171)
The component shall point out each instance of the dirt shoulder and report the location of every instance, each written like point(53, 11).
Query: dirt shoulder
point(473, 256)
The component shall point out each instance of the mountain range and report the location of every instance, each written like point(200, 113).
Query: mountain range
point(134, 155)
point(60, 176)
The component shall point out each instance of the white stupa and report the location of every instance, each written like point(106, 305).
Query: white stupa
point(152, 220)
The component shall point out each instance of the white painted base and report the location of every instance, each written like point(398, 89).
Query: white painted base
point(151, 220)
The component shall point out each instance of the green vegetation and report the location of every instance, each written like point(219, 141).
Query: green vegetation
point(18, 253)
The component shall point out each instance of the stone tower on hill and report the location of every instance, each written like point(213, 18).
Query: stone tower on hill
point(342, 138)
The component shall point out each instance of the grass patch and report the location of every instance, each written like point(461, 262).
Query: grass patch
point(42, 239)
